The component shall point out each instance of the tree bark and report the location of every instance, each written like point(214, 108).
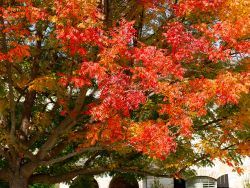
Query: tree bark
point(18, 182)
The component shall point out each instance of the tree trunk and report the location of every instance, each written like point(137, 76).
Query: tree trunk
point(18, 182)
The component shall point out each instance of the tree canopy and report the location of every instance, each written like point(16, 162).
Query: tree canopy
point(148, 87)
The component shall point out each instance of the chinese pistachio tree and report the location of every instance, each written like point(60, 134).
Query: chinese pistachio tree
point(145, 87)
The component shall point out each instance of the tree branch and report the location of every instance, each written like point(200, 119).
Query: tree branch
point(70, 155)
point(56, 133)
point(42, 178)
point(5, 174)
point(210, 123)
point(9, 75)
point(65, 126)
point(22, 149)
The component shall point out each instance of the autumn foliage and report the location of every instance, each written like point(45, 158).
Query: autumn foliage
point(71, 78)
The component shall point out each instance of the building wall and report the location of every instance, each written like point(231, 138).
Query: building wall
point(219, 169)
point(103, 182)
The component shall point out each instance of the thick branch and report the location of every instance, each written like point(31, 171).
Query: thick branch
point(56, 133)
point(22, 149)
point(107, 13)
point(42, 178)
point(31, 95)
point(9, 75)
point(12, 101)
point(65, 126)
point(5, 174)
point(70, 155)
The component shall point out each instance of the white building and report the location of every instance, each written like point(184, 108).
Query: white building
point(219, 176)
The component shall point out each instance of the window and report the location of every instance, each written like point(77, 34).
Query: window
point(179, 183)
point(222, 182)
point(201, 182)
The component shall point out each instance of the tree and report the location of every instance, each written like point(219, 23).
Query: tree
point(90, 88)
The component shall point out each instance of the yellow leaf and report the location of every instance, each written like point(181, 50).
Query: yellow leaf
point(53, 19)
